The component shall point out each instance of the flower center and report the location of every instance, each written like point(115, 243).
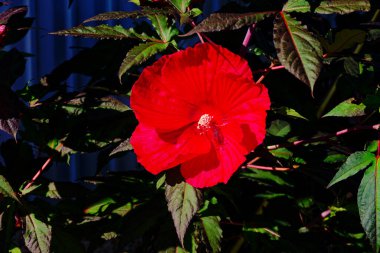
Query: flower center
point(204, 122)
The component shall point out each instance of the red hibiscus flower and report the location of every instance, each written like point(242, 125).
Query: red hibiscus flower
point(200, 109)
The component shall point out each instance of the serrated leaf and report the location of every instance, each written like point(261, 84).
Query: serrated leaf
point(297, 49)
point(180, 5)
point(6, 189)
point(114, 15)
point(345, 39)
point(369, 204)
point(163, 29)
point(6, 15)
point(105, 32)
point(328, 6)
point(347, 109)
point(212, 231)
point(37, 235)
point(183, 202)
point(355, 162)
point(279, 128)
point(139, 54)
point(10, 126)
point(228, 21)
point(112, 103)
point(122, 147)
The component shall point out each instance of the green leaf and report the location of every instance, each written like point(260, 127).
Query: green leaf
point(112, 103)
point(289, 112)
point(180, 5)
point(297, 49)
point(334, 158)
point(355, 162)
point(347, 109)
point(369, 204)
point(100, 206)
point(328, 6)
point(37, 235)
point(114, 15)
point(122, 147)
point(105, 32)
point(345, 39)
point(160, 23)
point(212, 231)
point(139, 54)
point(183, 202)
point(279, 128)
point(6, 189)
point(261, 175)
point(282, 153)
point(228, 21)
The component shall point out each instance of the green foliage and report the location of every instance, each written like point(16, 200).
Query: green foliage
point(183, 202)
point(297, 49)
point(347, 109)
point(278, 202)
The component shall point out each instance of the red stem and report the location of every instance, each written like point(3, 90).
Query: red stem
point(44, 166)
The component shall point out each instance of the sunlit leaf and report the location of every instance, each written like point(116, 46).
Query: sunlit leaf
point(347, 109)
point(105, 32)
point(37, 234)
point(162, 27)
point(139, 54)
point(100, 206)
point(297, 49)
point(6, 189)
point(282, 153)
point(328, 6)
point(289, 112)
point(180, 5)
point(228, 21)
point(212, 231)
point(369, 203)
point(355, 162)
point(183, 202)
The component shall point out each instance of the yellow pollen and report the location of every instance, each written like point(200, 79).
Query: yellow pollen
point(204, 121)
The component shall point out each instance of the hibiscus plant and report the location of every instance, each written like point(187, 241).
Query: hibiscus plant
point(255, 129)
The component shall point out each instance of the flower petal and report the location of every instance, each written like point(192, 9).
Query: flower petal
point(215, 167)
point(159, 151)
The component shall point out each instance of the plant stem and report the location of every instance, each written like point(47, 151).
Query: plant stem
point(48, 161)
point(325, 137)
point(247, 38)
point(328, 97)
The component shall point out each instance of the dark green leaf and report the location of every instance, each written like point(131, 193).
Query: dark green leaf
point(139, 54)
point(347, 109)
point(282, 153)
point(345, 39)
point(279, 128)
point(212, 231)
point(183, 202)
point(369, 204)
point(355, 162)
point(37, 234)
point(289, 112)
point(105, 32)
point(228, 21)
point(6, 189)
point(128, 14)
point(297, 49)
point(328, 6)
point(261, 175)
